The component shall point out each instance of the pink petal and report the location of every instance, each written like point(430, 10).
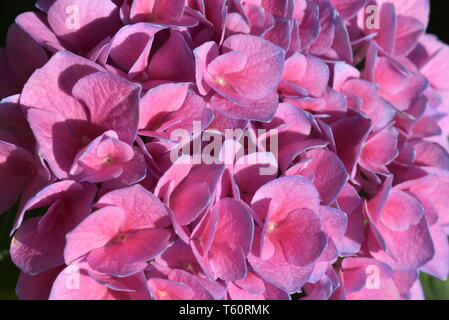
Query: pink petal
point(94, 232)
point(203, 235)
point(439, 265)
point(130, 47)
point(408, 32)
point(169, 10)
point(47, 94)
point(307, 72)
point(90, 289)
point(279, 272)
point(128, 256)
point(400, 235)
point(174, 61)
point(97, 90)
point(355, 277)
point(170, 290)
point(335, 224)
point(76, 282)
point(433, 69)
point(329, 174)
point(38, 244)
point(350, 133)
point(373, 156)
point(261, 74)
point(285, 195)
point(36, 287)
point(260, 110)
point(348, 8)
point(35, 24)
point(15, 165)
point(101, 160)
point(387, 33)
point(193, 194)
point(66, 189)
point(204, 54)
point(96, 18)
point(163, 98)
point(249, 171)
point(24, 54)
point(430, 154)
point(350, 202)
point(280, 34)
point(232, 241)
point(299, 234)
point(231, 62)
point(418, 9)
point(142, 209)
point(193, 282)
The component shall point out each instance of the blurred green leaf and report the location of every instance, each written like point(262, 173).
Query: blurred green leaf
point(434, 289)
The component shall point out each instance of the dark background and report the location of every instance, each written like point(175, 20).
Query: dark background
point(439, 25)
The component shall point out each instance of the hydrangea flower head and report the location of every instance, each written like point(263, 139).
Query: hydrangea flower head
point(225, 149)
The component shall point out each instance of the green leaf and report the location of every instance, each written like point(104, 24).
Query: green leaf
point(434, 289)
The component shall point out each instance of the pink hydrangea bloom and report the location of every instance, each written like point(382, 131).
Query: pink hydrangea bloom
point(331, 185)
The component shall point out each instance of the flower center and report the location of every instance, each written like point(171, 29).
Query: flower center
point(271, 226)
point(221, 81)
point(188, 267)
point(107, 160)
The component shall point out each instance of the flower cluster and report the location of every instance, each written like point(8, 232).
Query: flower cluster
point(352, 98)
